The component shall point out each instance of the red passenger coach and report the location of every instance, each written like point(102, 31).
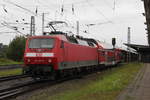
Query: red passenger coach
point(118, 55)
point(108, 55)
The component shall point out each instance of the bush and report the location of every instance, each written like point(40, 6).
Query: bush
point(16, 48)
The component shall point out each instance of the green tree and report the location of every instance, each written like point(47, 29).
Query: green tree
point(16, 48)
point(3, 51)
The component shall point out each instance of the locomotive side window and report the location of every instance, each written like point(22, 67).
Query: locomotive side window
point(82, 42)
point(72, 40)
point(91, 44)
point(41, 43)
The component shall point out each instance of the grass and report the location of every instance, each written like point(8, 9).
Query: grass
point(10, 72)
point(8, 62)
point(106, 87)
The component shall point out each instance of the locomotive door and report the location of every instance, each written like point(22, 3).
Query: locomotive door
point(64, 53)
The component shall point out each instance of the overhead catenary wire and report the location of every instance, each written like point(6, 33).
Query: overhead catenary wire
point(9, 16)
point(18, 24)
point(5, 9)
point(84, 31)
point(62, 6)
point(25, 9)
point(66, 4)
point(62, 10)
point(35, 13)
point(42, 4)
point(20, 7)
point(36, 9)
point(6, 32)
point(99, 12)
point(12, 28)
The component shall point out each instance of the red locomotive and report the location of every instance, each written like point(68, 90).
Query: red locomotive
point(59, 54)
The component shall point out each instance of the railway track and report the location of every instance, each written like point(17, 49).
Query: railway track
point(6, 67)
point(12, 77)
point(14, 91)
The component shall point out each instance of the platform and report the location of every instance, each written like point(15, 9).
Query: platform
point(139, 89)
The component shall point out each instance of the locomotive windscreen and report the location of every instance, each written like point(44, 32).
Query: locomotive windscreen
point(41, 43)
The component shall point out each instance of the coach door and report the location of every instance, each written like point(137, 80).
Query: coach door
point(106, 57)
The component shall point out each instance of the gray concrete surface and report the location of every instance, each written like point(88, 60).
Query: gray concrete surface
point(139, 89)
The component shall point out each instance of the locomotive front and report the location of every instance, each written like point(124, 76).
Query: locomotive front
point(39, 57)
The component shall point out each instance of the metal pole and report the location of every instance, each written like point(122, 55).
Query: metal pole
point(129, 41)
point(43, 23)
point(32, 26)
point(77, 27)
point(88, 29)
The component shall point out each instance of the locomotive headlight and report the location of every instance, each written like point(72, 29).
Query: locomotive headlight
point(49, 60)
point(28, 60)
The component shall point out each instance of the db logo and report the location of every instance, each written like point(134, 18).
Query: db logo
point(38, 54)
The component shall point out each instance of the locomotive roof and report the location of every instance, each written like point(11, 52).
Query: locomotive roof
point(60, 34)
point(61, 37)
point(65, 37)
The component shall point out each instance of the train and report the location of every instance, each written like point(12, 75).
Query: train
point(58, 55)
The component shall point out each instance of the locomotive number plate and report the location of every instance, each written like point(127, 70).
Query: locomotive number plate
point(39, 54)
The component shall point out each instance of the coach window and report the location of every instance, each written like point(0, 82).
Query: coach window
point(103, 53)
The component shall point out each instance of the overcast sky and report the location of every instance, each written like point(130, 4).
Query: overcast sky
point(111, 19)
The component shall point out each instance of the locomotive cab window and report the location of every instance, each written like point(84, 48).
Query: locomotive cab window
point(41, 43)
